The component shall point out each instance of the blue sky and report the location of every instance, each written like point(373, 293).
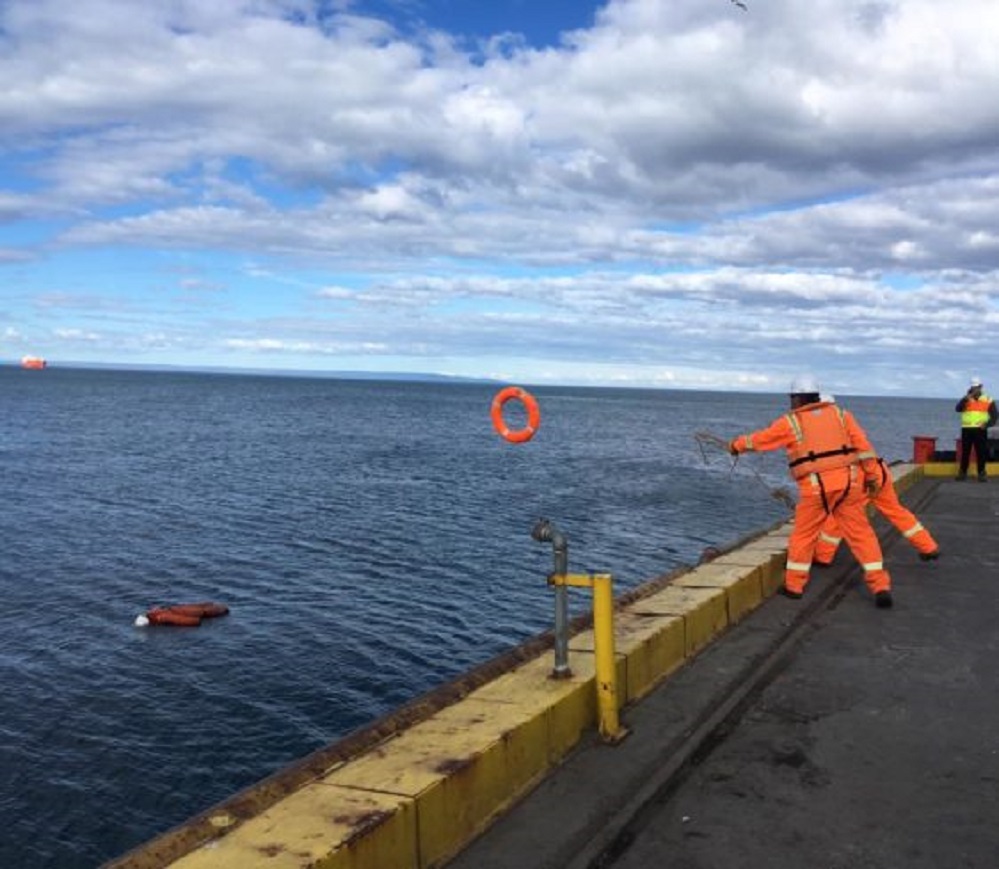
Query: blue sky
point(637, 193)
point(537, 24)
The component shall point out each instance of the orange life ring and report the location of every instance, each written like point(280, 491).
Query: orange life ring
point(521, 435)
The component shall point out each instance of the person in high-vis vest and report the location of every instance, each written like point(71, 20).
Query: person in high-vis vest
point(836, 469)
point(886, 502)
point(978, 412)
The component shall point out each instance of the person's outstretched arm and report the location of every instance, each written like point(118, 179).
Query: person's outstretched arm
point(778, 434)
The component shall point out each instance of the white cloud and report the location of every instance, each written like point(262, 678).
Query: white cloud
point(335, 293)
point(797, 182)
point(77, 335)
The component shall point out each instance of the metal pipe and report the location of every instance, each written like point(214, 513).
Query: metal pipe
point(544, 532)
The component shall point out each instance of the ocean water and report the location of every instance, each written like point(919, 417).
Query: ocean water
point(372, 540)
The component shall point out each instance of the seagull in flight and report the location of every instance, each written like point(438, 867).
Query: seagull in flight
point(741, 5)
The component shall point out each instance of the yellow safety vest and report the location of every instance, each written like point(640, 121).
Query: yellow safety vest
point(976, 412)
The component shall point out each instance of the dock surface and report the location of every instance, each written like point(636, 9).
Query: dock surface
point(816, 733)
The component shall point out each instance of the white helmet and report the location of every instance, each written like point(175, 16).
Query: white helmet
point(975, 381)
point(805, 384)
point(827, 398)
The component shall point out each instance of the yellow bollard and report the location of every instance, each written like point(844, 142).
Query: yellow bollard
point(606, 666)
point(603, 649)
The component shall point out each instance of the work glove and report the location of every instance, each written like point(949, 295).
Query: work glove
point(872, 486)
point(732, 449)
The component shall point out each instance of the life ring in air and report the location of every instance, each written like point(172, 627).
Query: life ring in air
point(520, 435)
point(182, 615)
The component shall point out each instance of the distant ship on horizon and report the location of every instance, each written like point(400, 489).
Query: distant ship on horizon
point(33, 362)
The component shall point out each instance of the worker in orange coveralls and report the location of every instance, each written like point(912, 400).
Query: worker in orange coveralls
point(887, 503)
point(836, 469)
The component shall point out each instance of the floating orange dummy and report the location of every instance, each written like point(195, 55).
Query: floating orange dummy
point(182, 615)
point(515, 436)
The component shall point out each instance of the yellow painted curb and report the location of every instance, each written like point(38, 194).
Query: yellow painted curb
point(648, 647)
point(742, 584)
point(950, 469)
point(319, 826)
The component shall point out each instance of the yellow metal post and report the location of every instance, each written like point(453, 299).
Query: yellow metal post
point(603, 648)
point(606, 666)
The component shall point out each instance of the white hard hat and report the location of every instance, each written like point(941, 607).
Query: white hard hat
point(804, 384)
point(976, 381)
point(827, 398)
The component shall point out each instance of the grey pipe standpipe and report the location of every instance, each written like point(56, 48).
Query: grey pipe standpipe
point(545, 532)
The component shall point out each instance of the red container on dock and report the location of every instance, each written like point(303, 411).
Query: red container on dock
point(923, 448)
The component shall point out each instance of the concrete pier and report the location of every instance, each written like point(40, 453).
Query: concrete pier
point(814, 733)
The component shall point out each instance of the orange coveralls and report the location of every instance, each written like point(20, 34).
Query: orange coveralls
point(888, 504)
point(825, 491)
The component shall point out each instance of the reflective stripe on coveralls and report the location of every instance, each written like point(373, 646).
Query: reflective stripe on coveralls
point(826, 545)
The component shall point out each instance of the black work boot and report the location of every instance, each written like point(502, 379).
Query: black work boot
point(794, 595)
point(882, 600)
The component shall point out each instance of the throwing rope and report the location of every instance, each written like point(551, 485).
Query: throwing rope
point(707, 441)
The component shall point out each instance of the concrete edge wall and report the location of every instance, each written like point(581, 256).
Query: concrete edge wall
point(417, 798)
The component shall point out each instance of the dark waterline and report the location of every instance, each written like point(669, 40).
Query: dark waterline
point(371, 538)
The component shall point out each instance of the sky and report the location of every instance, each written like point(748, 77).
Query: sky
point(689, 194)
